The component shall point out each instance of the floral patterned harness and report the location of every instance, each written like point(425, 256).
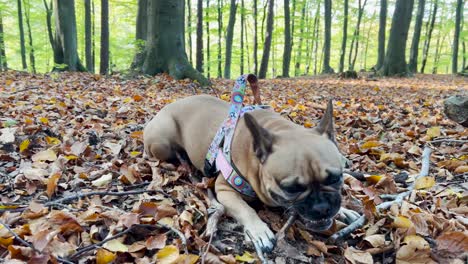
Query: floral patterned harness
point(218, 157)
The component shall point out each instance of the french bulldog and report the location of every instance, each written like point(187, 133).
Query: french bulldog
point(286, 164)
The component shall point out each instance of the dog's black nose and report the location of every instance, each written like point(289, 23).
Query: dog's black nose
point(321, 208)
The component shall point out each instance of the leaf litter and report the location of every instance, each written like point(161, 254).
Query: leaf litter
point(66, 136)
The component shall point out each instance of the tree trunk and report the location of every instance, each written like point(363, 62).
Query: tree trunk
point(267, 43)
point(32, 59)
point(93, 35)
point(382, 29)
point(345, 35)
point(308, 41)
point(298, 59)
point(104, 65)
point(165, 47)
point(355, 40)
point(220, 30)
point(456, 37)
point(255, 44)
point(327, 44)
point(437, 53)
point(65, 43)
point(50, 33)
point(413, 62)
point(371, 26)
point(88, 54)
point(141, 34)
point(242, 11)
point(316, 39)
point(207, 25)
point(21, 32)
point(199, 54)
point(3, 60)
point(229, 37)
point(395, 62)
point(427, 42)
point(189, 27)
point(287, 40)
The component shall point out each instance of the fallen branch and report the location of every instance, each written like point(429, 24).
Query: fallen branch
point(216, 211)
point(82, 195)
point(282, 233)
point(448, 140)
point(398, 199)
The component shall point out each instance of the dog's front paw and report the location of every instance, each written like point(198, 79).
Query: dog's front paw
point(260, 235)
point(347, 216)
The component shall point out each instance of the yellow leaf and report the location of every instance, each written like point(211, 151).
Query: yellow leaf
point(291, 102)
point(416, 240)
point(273, 104)
point(134, 153)
point(293, 114)
point(46, 155)
point(461, 169)
point(433, 132)
point(377, 89)
point(424, 183)
point(5, 242)
point(137, 98)
point(37, 107)
point(187, 259)
point(308, 124)
point(301, 107)
point(226, 97)
point(402, 222)
point(168, 255)
point(44, 120)
point(339, 103)
point(52, 140)
point(127, 100)
point(374, 178)
point(71, 157)
point(52, 184)
point(8, 206)
point(370, 144)
point(115, 246)
point(137, 134)
point(28, 121)
point(24, 145)
point(246, 257)
point(8, 82)
point(103, 256)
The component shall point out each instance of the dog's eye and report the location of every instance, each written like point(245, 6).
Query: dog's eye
point(294, 188)
point(334, 177)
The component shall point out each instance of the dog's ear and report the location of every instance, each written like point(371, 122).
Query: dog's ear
point(325, 126)
point(262, 138)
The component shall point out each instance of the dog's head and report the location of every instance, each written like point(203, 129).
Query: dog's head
point(301, 169)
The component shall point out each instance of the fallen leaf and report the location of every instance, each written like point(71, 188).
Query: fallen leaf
point(433, 132)
point(246, 257)
point(24, 145)
point(52, 184)
point(46, 155)
point(103, 180)
point(376, 240)
point(168, 255)
point(104, 256)
point(424, 183)
point(356, 256)
point(402, 222)
point(115, 245)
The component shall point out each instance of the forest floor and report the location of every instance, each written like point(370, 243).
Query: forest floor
point(65, 135)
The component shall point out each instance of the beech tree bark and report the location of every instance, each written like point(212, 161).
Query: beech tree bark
point(355, 40)
point(255, 44)
point(165, 47)
point(345, 36)
point(316, 37)
point(208, 43)
point(297, 65)
point(65, 43)
point(395, 59)
point(21, 32)
point(430, 29)
point(382, 28)
point(88, 36)
point(456, 37)
point(199, 53)
point(32, 59)
point(267, 45)
point(189, 29)
point(413, 62)
point(220, 30)
point(242, 12)
point(287, 40)
point(229, 37)
point(3, 59)
point(327, 44)
point(104, 64)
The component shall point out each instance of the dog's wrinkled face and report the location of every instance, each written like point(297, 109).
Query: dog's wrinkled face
point(301, 170)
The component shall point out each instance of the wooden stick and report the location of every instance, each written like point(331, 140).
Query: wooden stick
point(398, 199)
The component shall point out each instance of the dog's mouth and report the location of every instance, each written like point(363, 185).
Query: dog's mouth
point(319, 225)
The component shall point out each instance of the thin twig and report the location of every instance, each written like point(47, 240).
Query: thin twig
point(398, 199)
point(282, 233)
point(448, 140)
point(82, 195)
point(216, 212)
point(25, 89)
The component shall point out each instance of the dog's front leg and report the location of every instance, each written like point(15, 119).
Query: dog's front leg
point(237, 208)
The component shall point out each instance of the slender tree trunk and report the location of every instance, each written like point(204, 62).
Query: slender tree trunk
point(382, 30)
point(246, 39)
point(93, 35)
point(32, 59)
point(293, 27)
point(327, 45)
point(199, 55)
point(65, 37)
point(104, 65)
point(316, 37)
point(207, 25)
point(395, 59)
point(50, 33)
point(355, 41)
point(88, 55)
point(427, 42)
point(298, 59)
point(242, 11)
point(308, 41)
point(267, 44)
point(255, 44)
point(287, 40)
point(345, 35)
point(189, 27)
point(413, 63)
point(456, 36)
point(3, 59)
point(165, 45)
point(21, 31)
point(220, 37)
point(140, 34)
point(229, 37)
point(371, 25)
point(437, 53)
